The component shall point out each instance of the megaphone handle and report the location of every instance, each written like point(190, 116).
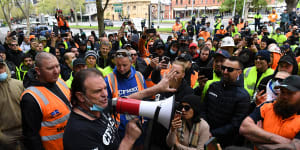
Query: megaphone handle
point(156, 113)
point(149, 131)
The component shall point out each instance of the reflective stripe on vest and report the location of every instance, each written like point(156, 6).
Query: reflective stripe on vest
point(52, 137)
point(113, 84)
point(247, 72)
point(55, 114)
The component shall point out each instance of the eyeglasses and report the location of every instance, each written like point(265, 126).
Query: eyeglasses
point(134, 54)
point(185, 107)
point(229, 69)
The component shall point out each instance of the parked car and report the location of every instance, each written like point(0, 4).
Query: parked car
point(108, 23)
point(41, 30)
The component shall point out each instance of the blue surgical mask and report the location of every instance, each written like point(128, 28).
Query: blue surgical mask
point(172, 52)
point(89, 47)
point(3, 76)
point(96, 108)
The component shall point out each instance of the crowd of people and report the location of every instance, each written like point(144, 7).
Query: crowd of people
point(238, 86)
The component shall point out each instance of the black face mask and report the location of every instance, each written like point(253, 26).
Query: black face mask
point(124, 76)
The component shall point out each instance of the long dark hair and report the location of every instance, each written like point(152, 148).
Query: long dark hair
point(194, 102)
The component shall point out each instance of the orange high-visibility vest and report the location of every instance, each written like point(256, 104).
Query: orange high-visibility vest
point(55, 114)
point(194, 78)
point(148, 81)
point(60, 22)
point(113, 85)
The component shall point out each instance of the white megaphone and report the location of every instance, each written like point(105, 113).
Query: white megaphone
point(162, 111)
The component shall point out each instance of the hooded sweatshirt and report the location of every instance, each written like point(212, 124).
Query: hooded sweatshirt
point(31, 112)
point(10, 118)
point(264, 84)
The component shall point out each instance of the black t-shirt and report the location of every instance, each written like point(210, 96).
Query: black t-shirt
point(84, 134)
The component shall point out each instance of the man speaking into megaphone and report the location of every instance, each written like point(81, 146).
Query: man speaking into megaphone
point(89, 125)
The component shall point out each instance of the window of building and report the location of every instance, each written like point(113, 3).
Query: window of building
point(176, 2)
point(134, 7)
point(214, 1)
point(189, 1)
point(202, 1)
point(181, 2)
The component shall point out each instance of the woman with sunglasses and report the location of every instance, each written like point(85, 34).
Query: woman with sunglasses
point(188, 129)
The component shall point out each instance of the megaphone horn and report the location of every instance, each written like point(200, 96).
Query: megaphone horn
point(147, 109)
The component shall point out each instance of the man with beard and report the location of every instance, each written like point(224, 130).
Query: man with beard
point(226, 104)
point(219, 57)
point(124, 81)
point(276, 125)
point(253, 75)
point(24, 67)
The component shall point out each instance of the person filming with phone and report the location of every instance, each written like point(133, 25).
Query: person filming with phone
point(188, 123)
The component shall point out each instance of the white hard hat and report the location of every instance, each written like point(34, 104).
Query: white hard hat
point(274, 48)
point(227, 41)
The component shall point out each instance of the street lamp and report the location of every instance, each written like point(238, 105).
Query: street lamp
point(244, 9)
point(233, 13)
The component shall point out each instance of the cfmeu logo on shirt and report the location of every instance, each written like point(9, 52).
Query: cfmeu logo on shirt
point(55, 113)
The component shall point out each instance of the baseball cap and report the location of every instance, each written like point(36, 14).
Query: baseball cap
point(291, 83)
point(200, 38)
point(78, 61)
point(42, 38)
point(192, 45)
point(183, 38)
point(184, 57)
point(286, 58)
point(223, 53)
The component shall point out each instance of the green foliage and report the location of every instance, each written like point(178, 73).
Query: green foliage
point(228, 5)
point(49, 6)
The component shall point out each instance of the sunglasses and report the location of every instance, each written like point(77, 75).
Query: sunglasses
point(260, 58)
point(133, 54)
point(185, 107)
point(229, 69)
point(121, 54)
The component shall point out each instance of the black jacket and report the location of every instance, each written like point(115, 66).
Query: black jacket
point(226, 105)
point(14, 56)
point(31, 112)
point(65, 71)
point(140, 65)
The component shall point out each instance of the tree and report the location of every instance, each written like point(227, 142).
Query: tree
point(6, 6)
point(100, 15)
point(26, 11)
point(49, 6)
point(290, 4)
point(227, 5)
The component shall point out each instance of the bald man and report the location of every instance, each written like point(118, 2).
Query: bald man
point(45, 105)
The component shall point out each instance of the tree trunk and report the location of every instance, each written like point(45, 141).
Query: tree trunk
point(76, 20)
point(27, 5)
point(290, 4)
point(26, 14)
point(100, 15)
point(7, 19)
